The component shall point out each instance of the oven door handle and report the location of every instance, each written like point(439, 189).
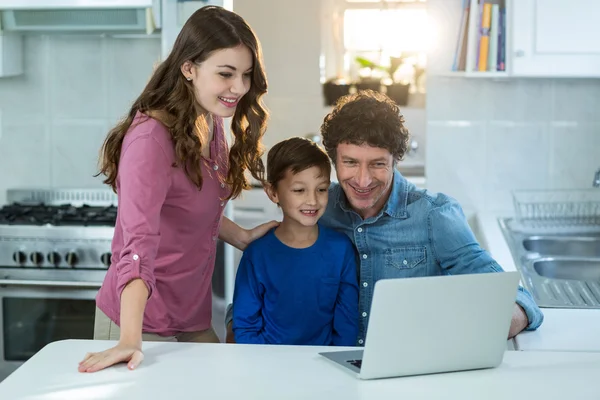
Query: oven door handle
point(71, 284)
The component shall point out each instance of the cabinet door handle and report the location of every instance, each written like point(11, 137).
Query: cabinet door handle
point(519, 53)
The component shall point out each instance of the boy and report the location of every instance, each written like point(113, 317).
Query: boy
point(297, 284)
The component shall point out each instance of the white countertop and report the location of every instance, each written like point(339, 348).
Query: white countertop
point(225, 371)
point(562, 329)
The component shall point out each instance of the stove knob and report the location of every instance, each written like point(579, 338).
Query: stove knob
point(54, 258)
point(19, 257)
point(37, 258)
point(105, 258)
point(72, 258)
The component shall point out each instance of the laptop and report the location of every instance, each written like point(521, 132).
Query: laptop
point(434, 324)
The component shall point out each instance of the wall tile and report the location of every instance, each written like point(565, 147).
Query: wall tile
point(517, 158)
point(78, 81)
point(454, 99)
point(575, 153)
point(23, 97)
point(130, 65)
point(24, 157)
point(520, 100)
point(456, 154)
point(55, 115)
point(576, 100)
point(74, 155)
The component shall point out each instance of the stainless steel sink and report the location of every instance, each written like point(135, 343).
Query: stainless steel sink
point(560, 267)
point(563, 245)
point(568, 268)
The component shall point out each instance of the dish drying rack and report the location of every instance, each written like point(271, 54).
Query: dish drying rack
point(577, 210)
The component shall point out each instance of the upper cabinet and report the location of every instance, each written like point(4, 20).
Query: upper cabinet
point(555, 38)
point(528, 38)
point(11, 55)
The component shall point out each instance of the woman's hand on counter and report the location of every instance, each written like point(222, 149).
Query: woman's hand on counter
point(123, 352)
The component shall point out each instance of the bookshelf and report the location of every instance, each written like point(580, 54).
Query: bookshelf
point(481, 40)
point(476, 74)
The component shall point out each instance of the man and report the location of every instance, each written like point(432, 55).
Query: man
point(399, 231)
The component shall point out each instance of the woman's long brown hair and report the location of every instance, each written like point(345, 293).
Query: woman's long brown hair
point(170, 95)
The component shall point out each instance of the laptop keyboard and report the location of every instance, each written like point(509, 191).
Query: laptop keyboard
point(356, 363)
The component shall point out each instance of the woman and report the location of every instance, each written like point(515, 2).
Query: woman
point(169, 163)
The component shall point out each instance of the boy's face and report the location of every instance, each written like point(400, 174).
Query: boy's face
point(302, 196)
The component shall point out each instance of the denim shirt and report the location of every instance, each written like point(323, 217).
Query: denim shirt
point(417, 233)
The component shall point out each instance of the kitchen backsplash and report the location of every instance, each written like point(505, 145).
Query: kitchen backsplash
point(56, 115)
point(486, 138)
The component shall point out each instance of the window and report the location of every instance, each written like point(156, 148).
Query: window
point(376, 31)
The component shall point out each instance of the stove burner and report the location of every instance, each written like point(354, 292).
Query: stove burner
point(63, 215)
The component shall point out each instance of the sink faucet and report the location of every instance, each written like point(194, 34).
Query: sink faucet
point(597, 179)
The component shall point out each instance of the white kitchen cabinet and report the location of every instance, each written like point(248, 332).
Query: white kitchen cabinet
point(554, 38)
point(544, 38)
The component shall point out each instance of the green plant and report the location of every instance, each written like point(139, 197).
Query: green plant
point(395, 62)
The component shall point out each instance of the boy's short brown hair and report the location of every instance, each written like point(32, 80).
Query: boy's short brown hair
point(295, 154)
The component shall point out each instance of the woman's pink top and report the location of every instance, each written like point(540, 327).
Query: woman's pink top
point(166, 231)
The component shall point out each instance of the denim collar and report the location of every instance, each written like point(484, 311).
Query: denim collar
point(395, 206)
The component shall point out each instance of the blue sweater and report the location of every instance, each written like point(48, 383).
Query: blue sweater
point(294, 296)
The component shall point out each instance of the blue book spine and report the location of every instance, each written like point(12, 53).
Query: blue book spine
point(504, 41)
point(501, 40)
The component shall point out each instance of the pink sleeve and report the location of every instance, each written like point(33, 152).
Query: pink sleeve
point(144, 180)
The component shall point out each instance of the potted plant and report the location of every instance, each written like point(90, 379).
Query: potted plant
point(397, 91)
point(368, 81)
point(333, 89)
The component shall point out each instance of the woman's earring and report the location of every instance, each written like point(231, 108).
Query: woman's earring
point(189, 78)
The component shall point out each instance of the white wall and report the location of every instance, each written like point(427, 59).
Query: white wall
point(487, 138)
point(290, 34)
point(56, 115)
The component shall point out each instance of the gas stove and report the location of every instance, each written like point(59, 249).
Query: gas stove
point(61, 215)
point(56, 234)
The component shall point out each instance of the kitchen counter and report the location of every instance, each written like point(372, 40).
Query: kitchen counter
point(562, 329)
point(225, 371)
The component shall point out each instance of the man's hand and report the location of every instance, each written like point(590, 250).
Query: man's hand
point(519, 321)
point(229, 338)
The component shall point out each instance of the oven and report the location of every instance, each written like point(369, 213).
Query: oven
point(54, 252)
point(36, 313)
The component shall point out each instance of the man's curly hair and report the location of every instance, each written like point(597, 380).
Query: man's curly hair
point(365, 117)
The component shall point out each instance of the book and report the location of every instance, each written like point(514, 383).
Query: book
point(494, 38)
point(472, 37)
point(502, 40)
point(484, 37)
point(461, 45)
